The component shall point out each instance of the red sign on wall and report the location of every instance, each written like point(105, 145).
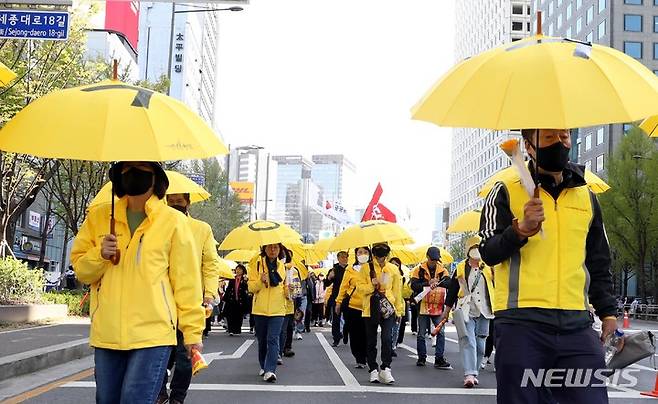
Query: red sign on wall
point(123, 16)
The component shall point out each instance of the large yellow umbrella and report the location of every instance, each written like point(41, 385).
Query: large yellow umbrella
point(251, 236)
point(6, 75)
point(542, 82)
point(650, 126)
point(178, 184)
point(371, 232)
point(241, 255)
point(225, 269)
point(324, 244)
point(596, 184)
point(110, 121)
point(467, 221)
point(406, 255)
point(308, 252)
point(421, 254)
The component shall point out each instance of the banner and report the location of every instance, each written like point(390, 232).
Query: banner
point(244, 190)
point(377, 210)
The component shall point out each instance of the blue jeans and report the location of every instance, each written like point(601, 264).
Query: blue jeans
point(473, 344)
point(133, 376)
point(268, 332)
point(394, 333)
point(423, 327)
point(300, 304)
point(284, 333)
point(180, 381)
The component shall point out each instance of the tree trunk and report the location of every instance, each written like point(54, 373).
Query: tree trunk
point(44, 232)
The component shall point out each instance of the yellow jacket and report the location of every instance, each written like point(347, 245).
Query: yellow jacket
point(439, 273)
point(487, 272)
point(269, 300)
point(365, 284)
point(156, 285)
point(208, 258)
point(349, 287)
point(397, 290)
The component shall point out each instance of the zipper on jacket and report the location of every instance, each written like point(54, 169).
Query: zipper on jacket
point(138, 256)
point(98, 302)
point(164, 296)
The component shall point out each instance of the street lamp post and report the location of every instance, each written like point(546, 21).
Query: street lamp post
point(171, 33)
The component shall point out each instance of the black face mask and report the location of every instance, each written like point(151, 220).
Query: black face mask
point(136, 182)
point(182, 209)
point(380, 251)
point(553, 158)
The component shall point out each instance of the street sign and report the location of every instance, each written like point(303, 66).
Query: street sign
point(44, 25)
point(199, 179)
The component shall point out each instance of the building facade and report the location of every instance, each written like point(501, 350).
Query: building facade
point(254, 164)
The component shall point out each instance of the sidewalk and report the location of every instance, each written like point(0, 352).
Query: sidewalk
point(28, 350)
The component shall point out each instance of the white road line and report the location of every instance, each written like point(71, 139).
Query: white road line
point(429, 358)
point(28, 329)
point(456, 391)
point(347, 376)
point(636, 366)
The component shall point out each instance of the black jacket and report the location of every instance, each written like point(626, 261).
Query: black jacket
point(229, 294)
point(499, 242)
point(338, 272)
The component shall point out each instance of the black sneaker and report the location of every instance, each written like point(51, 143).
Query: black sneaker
point(420, 362)
point(394, 354)
point(335, 344)
point(442, 364)
point(288, 353)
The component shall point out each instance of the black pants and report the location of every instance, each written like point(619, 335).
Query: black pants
point(318, 312)
point(307, 315)
point(521, 348)
point(290, 326)
point(234, 319)
point(403, 323)
point(491, 340)
point(335, 321)
point(208, 327)
point(414, 317)
point(180, 381)
point(371, 341)
point(252, 322)
point(356, 328)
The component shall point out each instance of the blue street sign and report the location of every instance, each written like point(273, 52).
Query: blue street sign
point(44, 25)
point(199, 179)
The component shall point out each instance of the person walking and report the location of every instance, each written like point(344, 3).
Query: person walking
point(235, 301)
point(552, 259)
point(335, 277)
point(318, 302)
point(398, 283)
point(154, 288)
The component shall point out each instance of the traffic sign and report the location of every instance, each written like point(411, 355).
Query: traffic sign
point(25, 24)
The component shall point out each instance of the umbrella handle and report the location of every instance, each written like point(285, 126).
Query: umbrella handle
point(116, 257)
point(536, 195)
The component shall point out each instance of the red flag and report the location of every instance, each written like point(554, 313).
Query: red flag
point(374, 201)
point(384, 214)
point(376, 210)
point(327, 205)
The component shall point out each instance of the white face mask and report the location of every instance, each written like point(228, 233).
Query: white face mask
point(474, 254)
point(363, 258)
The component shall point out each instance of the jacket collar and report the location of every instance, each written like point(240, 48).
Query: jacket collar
point(153, 206)
point(573, 175)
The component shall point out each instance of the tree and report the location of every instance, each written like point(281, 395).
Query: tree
point(457, 247)
point(630, 206)
point(223, 211)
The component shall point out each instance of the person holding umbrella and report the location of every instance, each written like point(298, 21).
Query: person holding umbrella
point(267, 275)
point(545, 282)
point(153, 289)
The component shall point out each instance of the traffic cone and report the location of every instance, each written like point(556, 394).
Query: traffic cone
point(653, 393)
point(627, 322)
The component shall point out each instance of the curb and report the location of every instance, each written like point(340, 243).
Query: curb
point(42, 358)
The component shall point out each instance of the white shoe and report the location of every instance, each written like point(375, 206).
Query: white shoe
point(483, 365)
point(360, 366)
point(299, 337)
point(269, 377)
point(261, 373)
point(386, 377)
point(374, 376)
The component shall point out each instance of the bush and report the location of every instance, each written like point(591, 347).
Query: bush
point(18, 283)
point(70, 298)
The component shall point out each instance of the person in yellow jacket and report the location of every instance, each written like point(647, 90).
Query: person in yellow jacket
point(376, 284)
point(475, 288)
point(354, 324)
point(398, 284)
point(267, 281)
point(137, 305)
point(294, 284)
point(210, 269)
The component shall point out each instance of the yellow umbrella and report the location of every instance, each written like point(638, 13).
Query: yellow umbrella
point(542, 82)
point(241, 255)
point(596, 184)
point(650, 126)
point(421, 254)
point(370, 232)
point(110, 121)
point(6, 75)
point(251, 236)
point(308, 252)
point(225, 270)
point(324, 244)
point(406, 255)
point(178, 184)
point(467, 221)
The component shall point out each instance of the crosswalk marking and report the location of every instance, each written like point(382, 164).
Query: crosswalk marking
point(347, 376)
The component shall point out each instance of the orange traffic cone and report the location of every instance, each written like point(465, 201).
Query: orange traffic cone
point(653, 393)
point(627, 322)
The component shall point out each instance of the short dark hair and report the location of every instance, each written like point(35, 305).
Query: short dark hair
point(282, 251)
point(160, 183)
point(242, 267)
point(529, 134)
point(396, 260)
point(356, 258)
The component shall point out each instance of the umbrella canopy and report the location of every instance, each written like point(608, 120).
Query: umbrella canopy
point(308, 252)
point(251, 236)
point(371, 232)
point(596, 184)
point(6, 75)
point(178, 184)
point(110, 121)
point(324, 244)
point(421, 253)
point(650, 126)
point(467, 221)
point(542, 82)
point(226, 269)
point(241, 255)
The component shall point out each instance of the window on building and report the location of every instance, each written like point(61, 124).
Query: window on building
point(517, 26)
point(602, 5)
point(579, 25)
point(550, 29)
point(590, 37)
point(579, 4)
point(580, 149)
point(588, 165)
point(599, 136)
point(528, 26)
point(517, 9)
point(568, 32)
point(590, 14)
point(632, 22)
point(550, 9)
point(633, 49)
point(569, 10)
point(655, 23)
point(601, 29)
point(635, 2)
point(627, 127)
point(599, 163)
point(655, 50)
point(588, 142)
point(559, 21)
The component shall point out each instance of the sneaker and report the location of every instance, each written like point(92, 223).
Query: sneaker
point(442, 364)
point(394, 354)
point(335, 344)
point(321, 325)
point(360, 366)
point(483, 365)
point(261, 373)
point(421, 362)
point(469, 381)
point(288, 353)
point(251, 331)
point(230, 334)
point(279, 361)
point(386, 377)
point(475, 380)
point(374, 376)
point(413, 333)
point(269, 377)
point(298, 337)
point(174, 401)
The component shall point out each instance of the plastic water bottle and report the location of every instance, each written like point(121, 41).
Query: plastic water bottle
point(611, 345)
